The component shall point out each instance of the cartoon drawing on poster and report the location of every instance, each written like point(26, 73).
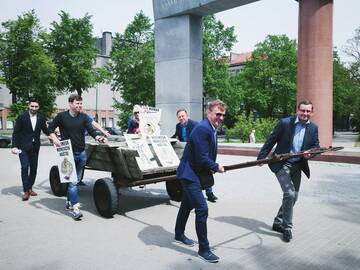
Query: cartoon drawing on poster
point(146, 159)
point(164, 151)
point(66, 163)
point(149, 121)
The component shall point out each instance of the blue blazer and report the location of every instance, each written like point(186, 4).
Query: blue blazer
point(283, 135)
point(24, 135)
point(201, 150)
point(189, 127)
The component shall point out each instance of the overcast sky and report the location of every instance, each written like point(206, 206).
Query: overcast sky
point(252, 22)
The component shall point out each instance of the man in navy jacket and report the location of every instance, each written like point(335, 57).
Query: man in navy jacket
point(182, 133)
point(26, 137)
point(199, 156)
point(292, 134)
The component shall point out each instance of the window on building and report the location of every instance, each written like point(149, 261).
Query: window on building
point(111, 122)
point(103, 122)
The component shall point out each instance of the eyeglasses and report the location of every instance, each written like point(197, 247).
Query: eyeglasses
point(307, 111)
point(220, 114)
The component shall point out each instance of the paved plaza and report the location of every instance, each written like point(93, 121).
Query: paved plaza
point(40, 234)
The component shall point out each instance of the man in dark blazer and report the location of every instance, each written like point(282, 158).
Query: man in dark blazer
point(199, 159)
point(26, 137)
point(292, 134)
point(182, 133)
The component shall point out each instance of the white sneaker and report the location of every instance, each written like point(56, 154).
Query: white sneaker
point(68, 205)
point(76, 214)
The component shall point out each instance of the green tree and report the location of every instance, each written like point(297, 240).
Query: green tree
point(269, 78)
point(132, 66)
point(71, 45)
point(218, 41)
point(345, 94)
point(352, 49)
point(26, 68)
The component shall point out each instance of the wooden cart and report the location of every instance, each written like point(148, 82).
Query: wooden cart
point(118, 159)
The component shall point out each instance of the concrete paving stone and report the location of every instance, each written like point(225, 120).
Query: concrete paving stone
point(40, 234)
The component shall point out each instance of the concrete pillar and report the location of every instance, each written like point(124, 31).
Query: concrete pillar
point(178, 68)
point(315, 70)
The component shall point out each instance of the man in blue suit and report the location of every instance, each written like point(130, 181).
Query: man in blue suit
point(292, 134)
point(26, 137)
point(195, 172)
point(182, 133)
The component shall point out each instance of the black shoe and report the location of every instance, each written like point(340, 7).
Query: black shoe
point(184, 240)
point(277, 228)
point(208, 256)
point(287, 235)
point(81, 183)
point(211, 197)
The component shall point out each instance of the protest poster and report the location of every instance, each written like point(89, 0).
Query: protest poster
point(164, 151)
point(149, 121)
point(146, 159)
point(66, 163)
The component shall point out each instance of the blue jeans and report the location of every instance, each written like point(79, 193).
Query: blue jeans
point(80, 162)
point(193, 198)
point(29, 163)
point(289, 177)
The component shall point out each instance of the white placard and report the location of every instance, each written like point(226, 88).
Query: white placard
point(164, 151)
point(149, 121)
point(146, 159)
point(66, 163)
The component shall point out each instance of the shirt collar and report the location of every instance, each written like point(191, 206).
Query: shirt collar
point(298, 121)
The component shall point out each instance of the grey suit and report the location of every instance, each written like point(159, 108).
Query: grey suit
point(289, 173)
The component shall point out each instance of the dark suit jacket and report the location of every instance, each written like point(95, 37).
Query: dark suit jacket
point(189, 127)
point(24, 135)
point(200, 151)
point(283, 135)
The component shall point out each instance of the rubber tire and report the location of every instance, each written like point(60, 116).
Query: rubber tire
point(174, 190)
point(58, 189)
point(106, 197)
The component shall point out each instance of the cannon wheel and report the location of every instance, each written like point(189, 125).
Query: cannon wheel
point(105, 197)
point(174, 190)
point(59, 189)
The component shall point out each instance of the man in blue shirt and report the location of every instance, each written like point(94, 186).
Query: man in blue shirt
point(182, 133)
point(292, 134)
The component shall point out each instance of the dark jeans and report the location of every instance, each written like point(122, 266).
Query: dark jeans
point(29, 163)
point(289, 177)
point(193, 198)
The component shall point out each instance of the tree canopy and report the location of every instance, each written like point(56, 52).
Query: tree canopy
point(268, 80)
point(133, 66)
point(27, 69)
point(71, 46)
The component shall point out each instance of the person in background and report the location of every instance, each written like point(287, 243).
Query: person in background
point(182, 133)
point(26, 143)
point(71, 124)
point(292, 134)
point(133, 123)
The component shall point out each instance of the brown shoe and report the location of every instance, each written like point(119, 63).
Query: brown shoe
point(32, 193)
point(26, 196)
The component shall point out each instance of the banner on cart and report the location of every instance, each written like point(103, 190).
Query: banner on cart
point(164, 151)
point(66, 163)
point(146, 159)
point(149, 121)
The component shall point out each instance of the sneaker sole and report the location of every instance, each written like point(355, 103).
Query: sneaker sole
point(180, 242)
point(209, 261)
